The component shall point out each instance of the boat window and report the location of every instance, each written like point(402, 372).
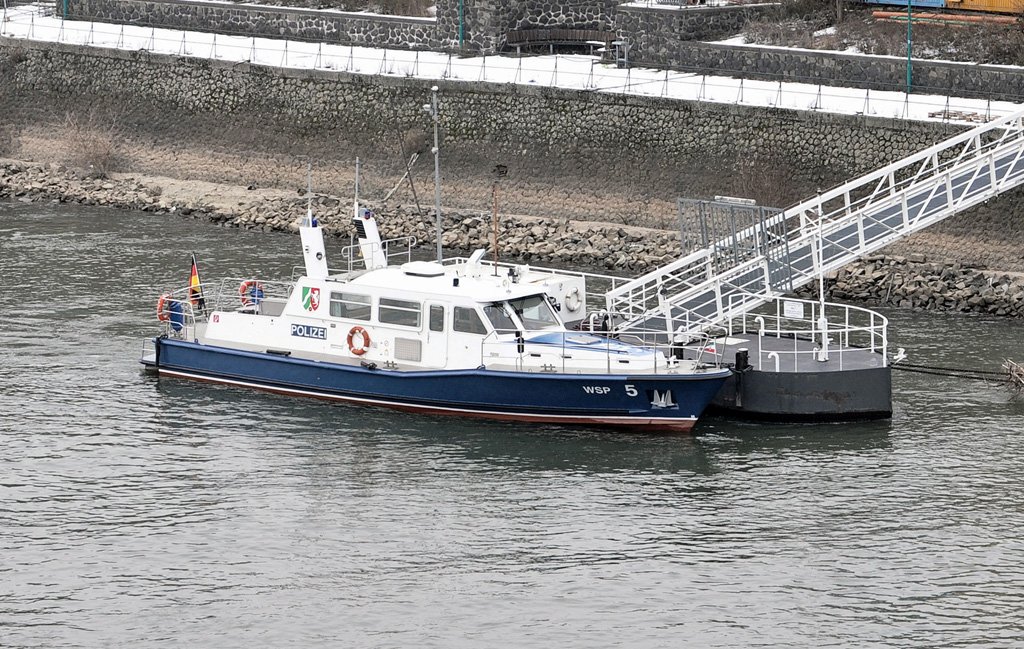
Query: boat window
point(399, 312)
point(499, 316)
point(350, 305)
point(535, 312)
point(468, 321)
point(436, 317)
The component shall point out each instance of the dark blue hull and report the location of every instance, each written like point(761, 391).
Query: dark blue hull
point(597, 399)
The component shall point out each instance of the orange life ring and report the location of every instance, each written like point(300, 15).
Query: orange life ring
point(358, 351)
point(244, 292)
point(162, 313)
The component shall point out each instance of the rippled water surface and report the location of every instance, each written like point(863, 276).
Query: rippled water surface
point(137, 512)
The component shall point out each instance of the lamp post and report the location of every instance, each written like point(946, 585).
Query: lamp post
point(910, 42)
point(432, 110)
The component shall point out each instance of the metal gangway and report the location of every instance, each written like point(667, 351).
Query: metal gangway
point(764, 261)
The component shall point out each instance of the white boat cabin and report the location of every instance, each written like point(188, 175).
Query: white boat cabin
point(423, 315)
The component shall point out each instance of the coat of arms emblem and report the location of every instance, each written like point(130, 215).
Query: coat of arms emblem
point(310, 298)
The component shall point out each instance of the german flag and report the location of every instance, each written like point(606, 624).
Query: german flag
point(195, 287)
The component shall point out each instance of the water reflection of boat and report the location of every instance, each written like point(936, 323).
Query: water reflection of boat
point(456, 338)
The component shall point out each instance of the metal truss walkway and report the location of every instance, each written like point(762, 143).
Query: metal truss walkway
point(763, 262)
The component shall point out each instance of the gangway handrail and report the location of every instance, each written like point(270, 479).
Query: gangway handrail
point(835, 227)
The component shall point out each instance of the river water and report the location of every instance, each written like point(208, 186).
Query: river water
point(137, 512)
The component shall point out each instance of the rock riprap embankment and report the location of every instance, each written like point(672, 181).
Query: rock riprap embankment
point(911, 282)
point(908, 282)
point(583, 244)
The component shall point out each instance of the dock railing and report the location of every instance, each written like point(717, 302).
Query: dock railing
point(838, 331)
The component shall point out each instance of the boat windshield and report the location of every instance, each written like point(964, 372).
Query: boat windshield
point(500, 317)
point(535, 312)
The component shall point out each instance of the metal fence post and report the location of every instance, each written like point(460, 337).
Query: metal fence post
point(483, 70)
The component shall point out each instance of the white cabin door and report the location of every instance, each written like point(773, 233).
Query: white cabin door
point(438, 328)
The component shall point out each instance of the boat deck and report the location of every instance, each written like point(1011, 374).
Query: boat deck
point(794, 354)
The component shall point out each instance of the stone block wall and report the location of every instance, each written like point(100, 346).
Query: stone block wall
point(475, 25)
point(656, 33)
point(833, 69)
point(273, 22)
point(575, 14)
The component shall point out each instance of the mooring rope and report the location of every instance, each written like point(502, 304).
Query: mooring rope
point(948, 369)
point(956, 372)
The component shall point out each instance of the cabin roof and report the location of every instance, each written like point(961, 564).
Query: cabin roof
point(480, 287)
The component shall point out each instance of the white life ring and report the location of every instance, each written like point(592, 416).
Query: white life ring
point(572, 299)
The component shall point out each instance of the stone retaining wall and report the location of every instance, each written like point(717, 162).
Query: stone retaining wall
point(833, 69)
point(656, 34)
point(574, 14)
point(482, 24)
point(274, 22)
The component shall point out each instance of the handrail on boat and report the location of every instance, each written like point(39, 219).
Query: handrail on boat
point(353, 253)
point(657, 342)
point(591, 298)
point(222, 295)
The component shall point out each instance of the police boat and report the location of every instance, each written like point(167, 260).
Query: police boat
point(460, 337)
